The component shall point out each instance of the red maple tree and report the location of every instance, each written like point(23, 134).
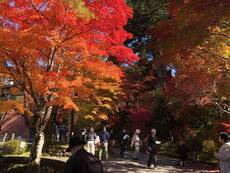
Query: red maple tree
point(42, 44)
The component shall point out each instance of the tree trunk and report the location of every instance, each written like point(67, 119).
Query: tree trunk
point(50, 129)
point(2, 118)
point(41, 118)
point(36, 151)
point(71, 124)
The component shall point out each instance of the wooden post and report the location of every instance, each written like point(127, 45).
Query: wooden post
point(12, 137)
point(4, 138)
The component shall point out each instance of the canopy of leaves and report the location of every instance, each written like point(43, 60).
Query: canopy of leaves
point(6, 106)
point(57, 50)
point(147, 13)
point(200, 30)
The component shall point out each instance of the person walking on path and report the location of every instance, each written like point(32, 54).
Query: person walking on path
point(81, 161)
point(123, 142)
point(182, 150)
point(91, 138)
point(104, 139)
point(111, 140)
point(151, 147)
point(136, 143)
point(224, 153)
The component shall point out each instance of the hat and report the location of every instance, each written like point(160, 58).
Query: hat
point(137, 131)
point(73, 142)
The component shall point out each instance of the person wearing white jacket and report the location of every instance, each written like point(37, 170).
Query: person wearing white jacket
point(224, 153)
point(137, 143)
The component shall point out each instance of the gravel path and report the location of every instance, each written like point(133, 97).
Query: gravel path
point(166, 165)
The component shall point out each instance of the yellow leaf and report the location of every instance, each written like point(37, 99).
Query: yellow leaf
point(89, 117)
point(103, 116)
point(8, 105)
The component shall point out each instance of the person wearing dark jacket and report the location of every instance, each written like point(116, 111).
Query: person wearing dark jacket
point(182, 150)
point(151, 147)
point(104, 139)
point(123, 142)
point(81, 161)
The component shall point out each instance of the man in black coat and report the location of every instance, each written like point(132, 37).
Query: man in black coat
point(81, 161)
point(151, 147)
point(124, 138)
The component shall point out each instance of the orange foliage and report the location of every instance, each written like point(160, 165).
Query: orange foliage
point(56, 54)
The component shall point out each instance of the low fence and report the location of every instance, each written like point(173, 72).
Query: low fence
point(7, 137)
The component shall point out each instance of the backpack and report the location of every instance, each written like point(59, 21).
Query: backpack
point(93, 164)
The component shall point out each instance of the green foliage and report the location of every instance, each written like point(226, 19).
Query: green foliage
point(13, 147)
point(208, 146)
point(168, 148)
point(194, 144)
point(147, 13)
point(162, 118)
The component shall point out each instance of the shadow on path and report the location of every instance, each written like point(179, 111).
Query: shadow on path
point(166, 165)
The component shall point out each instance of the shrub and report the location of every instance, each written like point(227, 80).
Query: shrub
point(208, 146)
point(13, 147)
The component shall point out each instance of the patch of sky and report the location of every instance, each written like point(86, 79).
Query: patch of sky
point(9, 64)
point(43, 6)
point(12, 3)
point(125, 65)
point(150, 55)
point(90, 1)
point(42, 62)
point(139, 41)
point(7, 23)
point(105, 58)
point(172, 70)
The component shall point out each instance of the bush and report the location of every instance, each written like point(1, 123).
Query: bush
point(168, 148)
point(13, 147)
point(208, 146)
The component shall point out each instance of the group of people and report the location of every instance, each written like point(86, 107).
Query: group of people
point(101, 140)
point(83, 150)
point(82, 147)
point(137, 143)
point(92, 140)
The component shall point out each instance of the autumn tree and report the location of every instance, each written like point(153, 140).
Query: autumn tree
point(43, 44)
point(142, 77)
point(193, 41)
point(201, 52)
point(147, 14)
point(186, 57)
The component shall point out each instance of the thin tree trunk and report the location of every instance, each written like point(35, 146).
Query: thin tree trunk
point(2, 118)
point(71, 124)
point(41, 118)
point(50, 129)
